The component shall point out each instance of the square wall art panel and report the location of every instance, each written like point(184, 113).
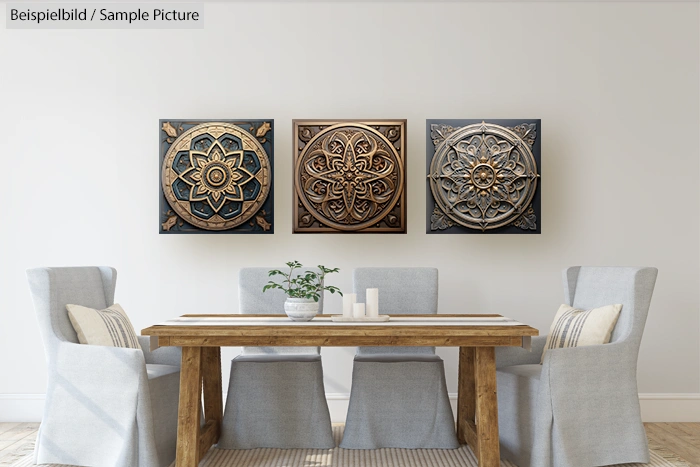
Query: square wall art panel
point(483, 176)
point(216, 176)
point(349, 176)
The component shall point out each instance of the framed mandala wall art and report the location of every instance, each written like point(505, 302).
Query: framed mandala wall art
point(349, 176)
point(483, 176)
point(216, 176)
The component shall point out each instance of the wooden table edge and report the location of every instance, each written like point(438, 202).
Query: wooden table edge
point(345, 329)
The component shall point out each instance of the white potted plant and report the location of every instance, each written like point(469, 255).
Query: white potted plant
point(303, 291)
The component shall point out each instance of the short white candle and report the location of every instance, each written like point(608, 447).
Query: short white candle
point(372, 303)
point(349, 300)
point(358, 310)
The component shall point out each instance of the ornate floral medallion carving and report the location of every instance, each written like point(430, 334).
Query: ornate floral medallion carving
point(483, 176)
point(216, 176)
point(349, 176)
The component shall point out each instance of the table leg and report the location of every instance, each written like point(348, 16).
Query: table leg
point(213, 404)
point(466, 398)
point(190, 408)
point(486, 407)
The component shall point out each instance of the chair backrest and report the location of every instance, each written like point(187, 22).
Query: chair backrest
point(591, 287)
point(53, 288)
point(253, 301)
point(402, 291)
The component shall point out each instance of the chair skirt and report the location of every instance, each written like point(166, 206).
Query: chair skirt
point(399, 401)
point(276, 401)
point(530, 436)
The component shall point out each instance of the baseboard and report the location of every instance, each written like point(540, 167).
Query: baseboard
point(21, 407)
point(671, 407)
point(338, 406)
point(656, 407)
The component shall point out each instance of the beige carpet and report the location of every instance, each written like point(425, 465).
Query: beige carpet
point(462, 457)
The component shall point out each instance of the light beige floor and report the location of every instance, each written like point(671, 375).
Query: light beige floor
point(683, 439)
point(15, 438)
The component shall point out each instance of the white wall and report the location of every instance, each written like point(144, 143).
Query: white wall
point(615, 84)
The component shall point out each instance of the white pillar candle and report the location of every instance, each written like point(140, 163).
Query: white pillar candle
point(349, 300)
point(358, 310)
point(372, 303)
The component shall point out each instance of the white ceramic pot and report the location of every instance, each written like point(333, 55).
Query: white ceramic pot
point(301, 309)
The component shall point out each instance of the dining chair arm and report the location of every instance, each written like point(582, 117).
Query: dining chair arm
point(590, 372)
point(162, 355)
point(509, 356)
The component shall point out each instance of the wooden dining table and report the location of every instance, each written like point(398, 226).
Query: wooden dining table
point(202, 336)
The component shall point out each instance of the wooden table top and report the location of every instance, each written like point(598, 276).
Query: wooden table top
point(278, 330)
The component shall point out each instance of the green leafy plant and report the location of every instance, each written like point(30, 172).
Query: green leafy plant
point(308, 285)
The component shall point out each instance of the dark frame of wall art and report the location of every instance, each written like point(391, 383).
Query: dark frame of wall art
point(483, 176)
point(349, 176)
point(216, 176)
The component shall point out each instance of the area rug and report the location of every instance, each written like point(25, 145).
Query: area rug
point(462, 457)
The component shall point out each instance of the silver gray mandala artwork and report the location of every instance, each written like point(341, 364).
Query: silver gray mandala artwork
point(482, 176)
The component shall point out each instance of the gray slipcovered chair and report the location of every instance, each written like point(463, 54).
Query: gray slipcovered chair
point(580, 408)
point(105, 406)
point(276, 397)
point(399, 397)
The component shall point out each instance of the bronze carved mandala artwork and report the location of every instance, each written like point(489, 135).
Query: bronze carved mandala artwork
point(216, 177)
point(483, 176)
point(349, 176)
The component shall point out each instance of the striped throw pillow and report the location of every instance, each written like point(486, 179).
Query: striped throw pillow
point(110, 327)
point(576, 328)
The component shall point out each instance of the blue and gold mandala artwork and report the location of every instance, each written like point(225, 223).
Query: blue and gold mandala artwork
point(216, 176)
